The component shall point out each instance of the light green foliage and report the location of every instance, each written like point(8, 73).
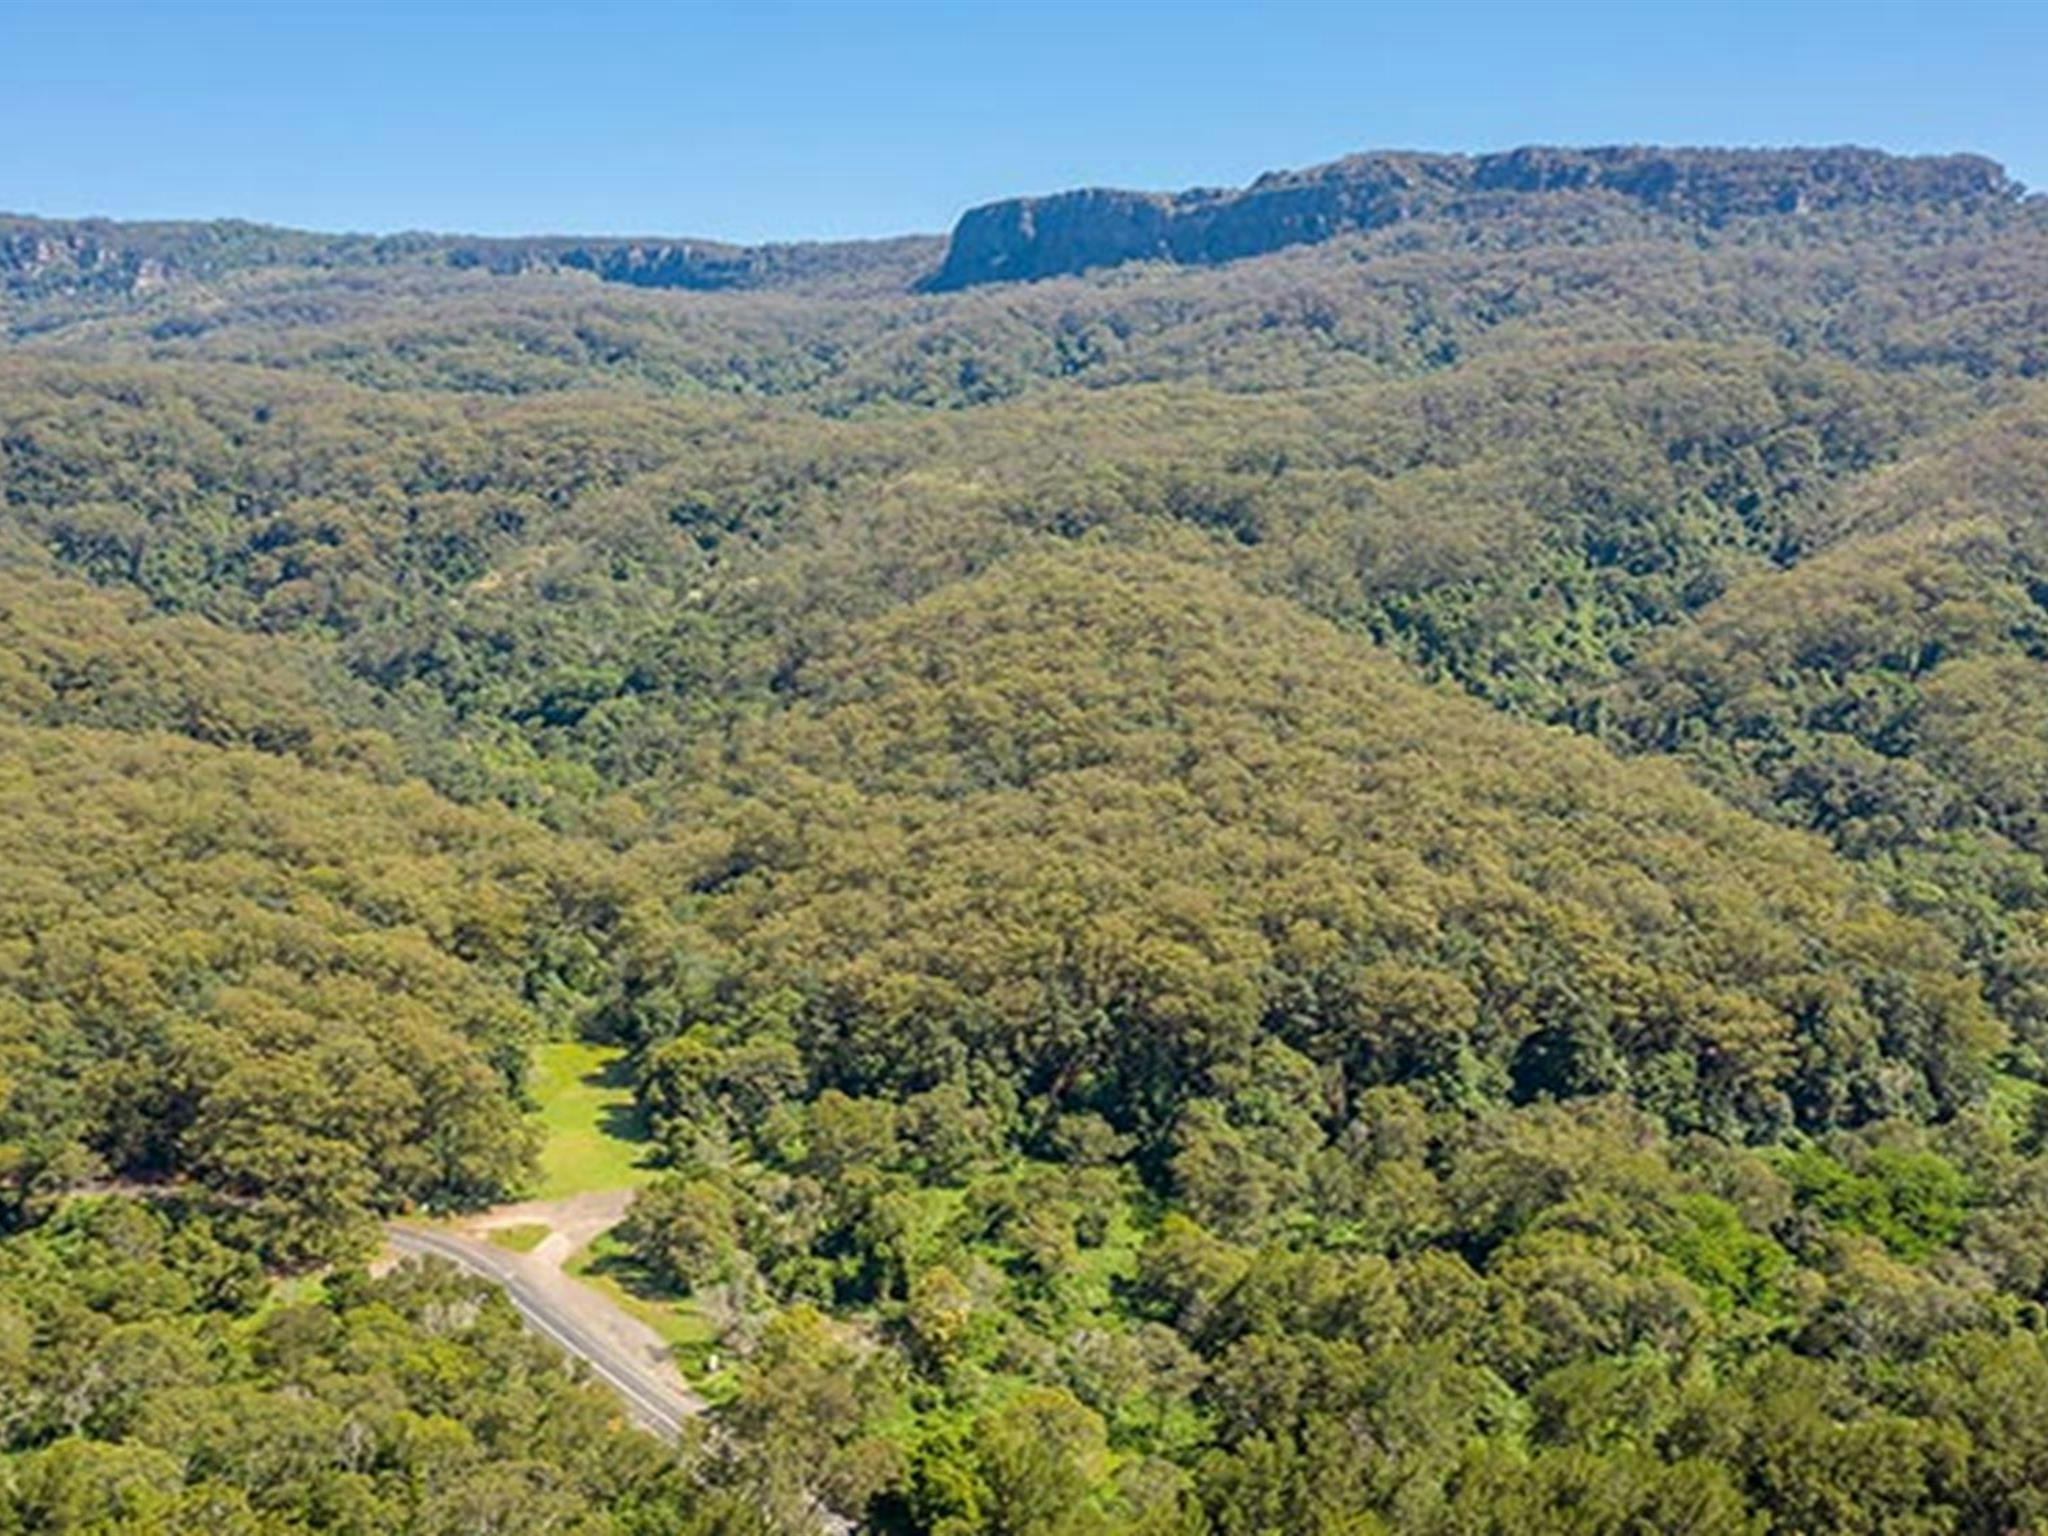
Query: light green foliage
point(1915, 1203)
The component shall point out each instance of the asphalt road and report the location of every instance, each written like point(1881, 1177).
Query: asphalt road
point(566, 1319)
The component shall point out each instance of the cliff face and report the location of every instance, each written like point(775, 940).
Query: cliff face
point(101, 256)
point(698, 264)
point(1033, 237)
point(48, 256)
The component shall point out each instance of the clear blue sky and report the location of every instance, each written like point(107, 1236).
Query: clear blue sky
point(785, 120)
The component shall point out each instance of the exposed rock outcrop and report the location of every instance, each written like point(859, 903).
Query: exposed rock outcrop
point(1034, 237)
point(103, 256)
point(683, 263)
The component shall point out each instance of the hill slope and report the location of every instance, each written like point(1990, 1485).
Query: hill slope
point(1111, 829)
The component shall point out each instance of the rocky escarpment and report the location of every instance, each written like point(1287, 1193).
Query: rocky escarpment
point(40, 257)
point(1034, 237)
point(45, 257)
point(698, 264)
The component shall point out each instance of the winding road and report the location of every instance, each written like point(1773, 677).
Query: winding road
point(619, 1349)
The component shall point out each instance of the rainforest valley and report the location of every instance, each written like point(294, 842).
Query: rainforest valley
point(1365, 856)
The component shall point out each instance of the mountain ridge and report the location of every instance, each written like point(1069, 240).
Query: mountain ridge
point(1028, 238)
point(1075, 231)
point(43, 256)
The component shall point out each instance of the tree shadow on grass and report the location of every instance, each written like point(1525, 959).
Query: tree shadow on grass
point(692, 1342)
point(619, 1119)
point(617, 1264)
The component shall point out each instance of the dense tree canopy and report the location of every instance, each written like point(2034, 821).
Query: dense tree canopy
point(1112, 831)
point(1396, 887)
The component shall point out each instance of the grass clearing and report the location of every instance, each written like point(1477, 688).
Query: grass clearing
point(523, 1237)
point(594, 1136)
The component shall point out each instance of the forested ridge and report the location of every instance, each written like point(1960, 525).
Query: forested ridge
point(1396, 885)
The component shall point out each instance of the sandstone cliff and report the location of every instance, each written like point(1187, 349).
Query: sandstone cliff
point(1034, 237)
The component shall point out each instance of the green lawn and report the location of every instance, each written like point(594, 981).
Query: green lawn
point(523, 1238)
point(595, 1140)
point(594, 1135)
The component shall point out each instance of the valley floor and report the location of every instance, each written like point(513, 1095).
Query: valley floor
point(591, 1161)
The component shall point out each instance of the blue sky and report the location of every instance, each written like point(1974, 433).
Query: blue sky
point(787, 120)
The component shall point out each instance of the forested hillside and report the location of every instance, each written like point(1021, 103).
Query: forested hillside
point(1390, 880)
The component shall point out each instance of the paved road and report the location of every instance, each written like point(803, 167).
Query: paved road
point(614, 1345)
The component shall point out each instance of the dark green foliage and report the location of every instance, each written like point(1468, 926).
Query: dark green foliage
point(1127, 838)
